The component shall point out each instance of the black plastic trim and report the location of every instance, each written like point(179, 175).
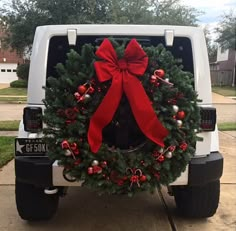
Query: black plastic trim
point(37, 171)
point(203, 170)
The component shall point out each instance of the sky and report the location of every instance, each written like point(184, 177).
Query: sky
point(213, 10)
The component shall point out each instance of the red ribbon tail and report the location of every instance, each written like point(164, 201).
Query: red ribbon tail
point(143, 112)
point(104, 114)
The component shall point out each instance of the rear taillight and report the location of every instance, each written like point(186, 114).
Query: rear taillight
point(208, 118)
point(32, 119)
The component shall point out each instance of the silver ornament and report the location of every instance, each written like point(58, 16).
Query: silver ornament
point(169, 155)
point(175, 108)
point(87, 98)
point(179, 123)
point(161, 150)
point(68, 152)
point(167, 80)
point(95, 163)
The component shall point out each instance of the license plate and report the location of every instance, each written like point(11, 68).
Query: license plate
point(30, 147)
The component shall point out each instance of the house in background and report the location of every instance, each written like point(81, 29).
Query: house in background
point(223, 70)
point(8, 62)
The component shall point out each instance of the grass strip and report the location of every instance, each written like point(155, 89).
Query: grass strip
point(228, 126)
point(9, 125)
point(6, 149)
point(13, 91)
point(13, 99)
point(225, 90)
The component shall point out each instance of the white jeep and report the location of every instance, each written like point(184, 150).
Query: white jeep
point(40, 181)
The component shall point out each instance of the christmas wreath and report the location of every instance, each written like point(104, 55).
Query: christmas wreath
point(121, 118)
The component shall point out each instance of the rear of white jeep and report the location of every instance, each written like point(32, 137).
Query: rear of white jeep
point(40, 181)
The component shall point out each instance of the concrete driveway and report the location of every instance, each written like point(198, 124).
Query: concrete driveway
point(84, 210)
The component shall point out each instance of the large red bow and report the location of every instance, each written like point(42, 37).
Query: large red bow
point(123, 73)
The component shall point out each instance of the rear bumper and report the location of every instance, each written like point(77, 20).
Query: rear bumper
point(34, 170)
point(39, 171)
point(206, 169)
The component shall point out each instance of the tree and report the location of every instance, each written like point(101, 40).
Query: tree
point(23, 16)
point(131, 12)
point(21, 19)
point(168, 12)
point(227, 31)
point(211, 46)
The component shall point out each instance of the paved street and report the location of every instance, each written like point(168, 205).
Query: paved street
point(225, 108)
point(11, 111)
point(226, 112)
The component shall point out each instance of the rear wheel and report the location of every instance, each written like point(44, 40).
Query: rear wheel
point(197, 201)
point(33, 204)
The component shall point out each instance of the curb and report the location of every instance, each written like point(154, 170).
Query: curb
point(13, 102)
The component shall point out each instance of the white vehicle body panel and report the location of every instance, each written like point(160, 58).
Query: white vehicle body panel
point(38, 66)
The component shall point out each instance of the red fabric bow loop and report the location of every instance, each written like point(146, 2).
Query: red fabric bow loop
point(123, 73)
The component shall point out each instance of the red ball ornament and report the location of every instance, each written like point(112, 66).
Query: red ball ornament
point(181, 115)
point(124, 178)
point(91, 90)
point(68, 122)
point(97, 169)
point(156, 84)
point(82, 89)
point(90, 170)
point(103, 164)
point(161, 158)
point(142, 162)
point(75, 109)
point(152, 81)
point(70, 113)
point(183, 146)
point(143, 178)
point(76, 152)
point(120, 182)
point(77, 162)
point(172, 148)
point(65, 144)
point(160, 73)
point(73, 146)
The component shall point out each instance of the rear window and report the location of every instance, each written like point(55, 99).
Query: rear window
point(59, 47)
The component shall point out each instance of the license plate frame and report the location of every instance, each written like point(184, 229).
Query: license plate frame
point(30, 147)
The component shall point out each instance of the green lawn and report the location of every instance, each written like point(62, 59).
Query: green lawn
point(6, 149)
point(229, 126)
point(13, 99)
point(9, 125)
point(13, 91)
point(225, 90)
